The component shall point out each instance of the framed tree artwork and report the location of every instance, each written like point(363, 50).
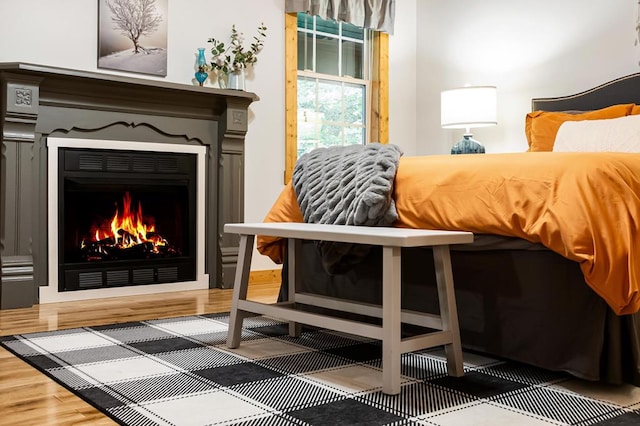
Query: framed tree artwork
point(132, 36)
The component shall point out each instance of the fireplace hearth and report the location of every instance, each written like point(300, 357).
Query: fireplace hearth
point(125, 218)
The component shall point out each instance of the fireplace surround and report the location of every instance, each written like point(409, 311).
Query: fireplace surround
point(99, 234)
point(46, 108)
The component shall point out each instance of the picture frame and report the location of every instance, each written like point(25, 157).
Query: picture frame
point(142, 51)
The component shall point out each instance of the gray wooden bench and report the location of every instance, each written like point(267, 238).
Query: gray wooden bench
point(391, 240)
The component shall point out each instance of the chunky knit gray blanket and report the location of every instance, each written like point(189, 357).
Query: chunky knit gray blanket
point(347, 185)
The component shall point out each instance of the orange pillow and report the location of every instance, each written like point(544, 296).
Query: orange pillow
point(635, 110)
point(541, 126)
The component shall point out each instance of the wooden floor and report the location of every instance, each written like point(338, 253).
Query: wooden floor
point(28, 397)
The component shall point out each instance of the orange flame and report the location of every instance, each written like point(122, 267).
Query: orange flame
point(130, 227)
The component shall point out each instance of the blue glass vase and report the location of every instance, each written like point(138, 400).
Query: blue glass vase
point(201, 63)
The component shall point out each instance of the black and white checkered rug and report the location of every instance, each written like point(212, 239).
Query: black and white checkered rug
point(179, 372)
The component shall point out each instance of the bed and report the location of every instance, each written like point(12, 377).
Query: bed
point(551, 278)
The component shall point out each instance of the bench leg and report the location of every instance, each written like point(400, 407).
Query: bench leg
point(391, 320)
point(448, 309)
point(295, 329)
point(240, 287)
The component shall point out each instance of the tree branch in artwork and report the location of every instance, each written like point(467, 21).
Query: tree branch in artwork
point(134, 19)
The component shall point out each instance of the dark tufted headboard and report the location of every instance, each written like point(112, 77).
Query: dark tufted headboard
point(624, 90)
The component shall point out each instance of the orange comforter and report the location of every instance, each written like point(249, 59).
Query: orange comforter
point(584, 206)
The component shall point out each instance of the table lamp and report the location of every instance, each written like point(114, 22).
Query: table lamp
point(465, 108)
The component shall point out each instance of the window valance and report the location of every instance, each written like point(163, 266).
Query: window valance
point(373, 14)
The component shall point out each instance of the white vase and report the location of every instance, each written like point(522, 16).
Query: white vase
point(236, 80)
point(222, 80)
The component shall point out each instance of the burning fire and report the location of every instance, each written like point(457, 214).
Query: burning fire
point(127, 229)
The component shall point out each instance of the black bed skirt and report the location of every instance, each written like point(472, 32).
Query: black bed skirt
point(531, 306)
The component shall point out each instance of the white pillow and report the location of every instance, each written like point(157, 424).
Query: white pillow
point(620, 134)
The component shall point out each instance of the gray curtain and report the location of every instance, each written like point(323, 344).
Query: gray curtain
point(373, 14)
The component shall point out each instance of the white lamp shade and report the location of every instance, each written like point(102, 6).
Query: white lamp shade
point(468, 107)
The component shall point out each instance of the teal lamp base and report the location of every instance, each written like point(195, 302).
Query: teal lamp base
point(467, 145)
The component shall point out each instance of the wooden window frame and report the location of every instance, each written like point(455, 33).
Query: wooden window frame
point(379, 118)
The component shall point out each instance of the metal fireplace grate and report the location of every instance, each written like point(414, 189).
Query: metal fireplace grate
point(117, 278)
point(142, 276)
point(105, 161)
point(90, 162)
point(167, 165)
point(89, 279)
point(167, 275)
point(143, 164)
point(124, 277)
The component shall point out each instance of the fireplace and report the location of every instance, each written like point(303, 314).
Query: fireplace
point(50, 115)
point(125, 218)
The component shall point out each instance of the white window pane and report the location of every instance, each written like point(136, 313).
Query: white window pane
point(327, 55)
point(331, 135)
point(354, 105)
point(305, 51)
point(353, 135)
point(352, 59)
point(307, 93)
point(330, 100)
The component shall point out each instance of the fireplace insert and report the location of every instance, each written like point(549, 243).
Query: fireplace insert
point(125, 218)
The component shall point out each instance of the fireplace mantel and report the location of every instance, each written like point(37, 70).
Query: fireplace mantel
point(40, 102)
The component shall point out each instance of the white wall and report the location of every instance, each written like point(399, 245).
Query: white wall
point(545, 48)
point(527, 49)
point(403, 100)
point(63, 33)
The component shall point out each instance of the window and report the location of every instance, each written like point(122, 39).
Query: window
point(336, 83)
point(333, 83)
